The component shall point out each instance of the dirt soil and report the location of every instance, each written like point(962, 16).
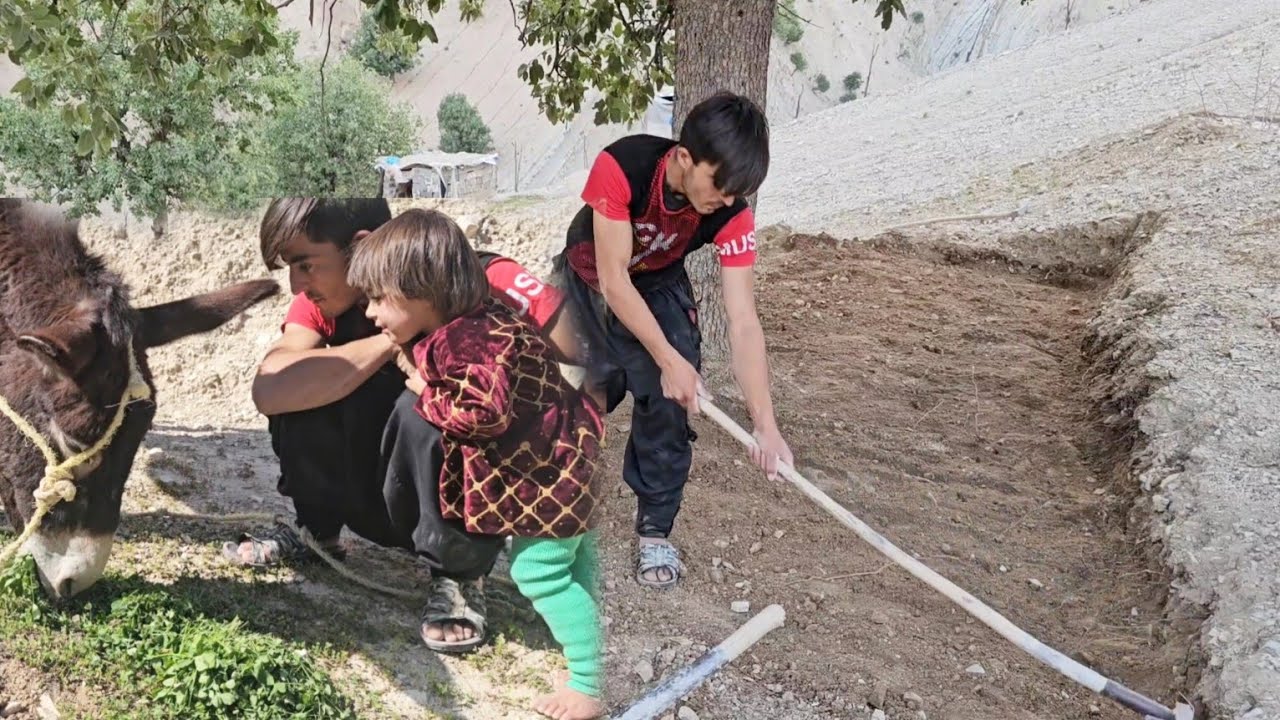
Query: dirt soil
point(944, 404)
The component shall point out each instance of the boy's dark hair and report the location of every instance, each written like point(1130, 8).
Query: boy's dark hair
point(729, 131)
point(331, 220)
point(421, 255)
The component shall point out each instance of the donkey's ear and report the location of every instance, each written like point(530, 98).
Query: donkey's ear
point(65, 348)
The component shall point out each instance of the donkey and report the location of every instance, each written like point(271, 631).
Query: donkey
point(67, 331)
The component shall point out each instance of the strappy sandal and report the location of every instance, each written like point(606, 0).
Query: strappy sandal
point(280, 545)
point(659, 556)
point(452, 602)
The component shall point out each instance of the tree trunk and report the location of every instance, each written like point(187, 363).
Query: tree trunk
point(160, 223)
point(720, 45)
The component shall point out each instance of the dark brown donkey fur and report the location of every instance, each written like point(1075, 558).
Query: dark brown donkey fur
point(66, 328)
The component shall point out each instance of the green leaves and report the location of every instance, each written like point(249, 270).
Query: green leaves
point(137, 112)
point(619, 52)
point(386, 52)
point(461, 128)
point(168, 659)
point(885, 10)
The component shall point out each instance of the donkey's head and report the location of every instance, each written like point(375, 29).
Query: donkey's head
point(67, 338)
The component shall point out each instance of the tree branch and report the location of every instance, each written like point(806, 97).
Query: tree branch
point(622, 18)
point(797, 16)
point(283, 5)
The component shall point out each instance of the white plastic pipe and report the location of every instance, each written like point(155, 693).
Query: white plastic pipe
point(666, 695)
point(1014, 634)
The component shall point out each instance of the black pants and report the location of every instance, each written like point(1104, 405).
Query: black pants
point(660, 447)
point(370, 463)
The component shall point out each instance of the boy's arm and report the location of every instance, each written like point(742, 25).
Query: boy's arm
point(471, 401)
point(298, 374)
point(751, 366)
point(680, 380)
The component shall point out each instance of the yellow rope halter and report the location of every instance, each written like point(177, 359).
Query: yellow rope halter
point(58, 484)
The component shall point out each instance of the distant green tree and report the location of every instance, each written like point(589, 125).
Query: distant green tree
point(821, 84)
point(165, 131)
point(797, 59)
point(461, 128)
point(327, 145)
point(853, 82)
point(386, 52)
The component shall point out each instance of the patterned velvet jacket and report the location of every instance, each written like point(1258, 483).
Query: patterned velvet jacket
point(521, 443)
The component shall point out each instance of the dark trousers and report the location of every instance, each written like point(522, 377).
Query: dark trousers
point(370, 463)
point(660, 447)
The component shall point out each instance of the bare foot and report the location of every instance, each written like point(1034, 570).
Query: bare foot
point(448, 632)
point(569, 704)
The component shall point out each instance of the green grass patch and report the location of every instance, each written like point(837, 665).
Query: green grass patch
point(158, 655)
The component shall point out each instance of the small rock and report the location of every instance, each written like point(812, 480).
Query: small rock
point(717, 575)
point(879, 618)
point(920, 715)
point(644, 669)
point(788, 697)
point(12, 708)
point(976, 670)
point(755, 548)
point(878, 693)
point(686, 713)
point(47, 710)
point(715, 562)
point(777, 534)
point(913, 701)
point(740, 606)
point(878, 715)
point(1095, 710)
point(1004, 569)
point(722, 544)
point(1035, 584)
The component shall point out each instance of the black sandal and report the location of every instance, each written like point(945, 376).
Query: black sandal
point(281, 545)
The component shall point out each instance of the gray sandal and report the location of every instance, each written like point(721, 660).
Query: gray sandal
point(452, 602)
point(659, 556)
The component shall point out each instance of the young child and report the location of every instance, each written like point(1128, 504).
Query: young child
point(521, 444)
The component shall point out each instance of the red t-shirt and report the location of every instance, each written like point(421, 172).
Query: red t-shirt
point(509, 282)
point(660, 236)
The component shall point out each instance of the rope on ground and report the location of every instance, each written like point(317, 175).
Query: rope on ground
point(58, 484)
point(337, 565)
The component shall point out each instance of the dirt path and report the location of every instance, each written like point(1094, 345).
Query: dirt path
point(944, 405)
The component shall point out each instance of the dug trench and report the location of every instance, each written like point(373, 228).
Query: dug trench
point(946, 390)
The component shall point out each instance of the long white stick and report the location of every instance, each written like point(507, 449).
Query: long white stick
point(663, 697)
point(1045, 654)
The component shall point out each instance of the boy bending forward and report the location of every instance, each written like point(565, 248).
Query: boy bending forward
point(521, 444)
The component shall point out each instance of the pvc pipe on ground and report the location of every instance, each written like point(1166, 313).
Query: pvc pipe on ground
point(1045, 654)
point(666, 695)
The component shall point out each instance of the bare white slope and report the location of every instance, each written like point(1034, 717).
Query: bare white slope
point(938, 135)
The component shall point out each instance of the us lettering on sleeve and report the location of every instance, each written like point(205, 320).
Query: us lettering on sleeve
point(740, 246)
